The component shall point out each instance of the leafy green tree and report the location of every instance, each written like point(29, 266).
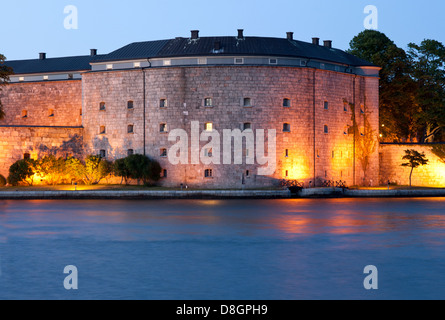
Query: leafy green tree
point(415, 159)
point(52, 169)
point(5, 72)
point(397, 88)
point(2, 181)
point(141, 167)
point(22, 171)
point(91, 171)
point(120, 170)
point(428, 60)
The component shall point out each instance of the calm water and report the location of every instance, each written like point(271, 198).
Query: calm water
point(255, 249)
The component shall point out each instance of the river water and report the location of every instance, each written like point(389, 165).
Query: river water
point(223, 249)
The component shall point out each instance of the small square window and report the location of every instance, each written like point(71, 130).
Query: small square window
point(239, 60)
point(287, 153)
point(163, 128)
point(163, 103)
point(70, 76)
point(247, 173)
point(102, 130)
point(326, 105)
point(247, 102)
point(208, 102)
point(202, 60)
point(22, 79)
point(286, 127)
point(208, 173)
point(167, 62)
point(109, 66)
point(164, 173)
point(247, 126)
point(50, 113)
point(303, 63)
point(45, 77)
point(130, 104)
point(163, 153)
point(130, 128)
point(322, 66)
point(326, 129)
point(345, 107)
point(102, 106)
point(24, 114)
point(103, 153)
point(273, 61)
point(286, 102)
point(137, 65)
point(208, 127)
point(130, 152)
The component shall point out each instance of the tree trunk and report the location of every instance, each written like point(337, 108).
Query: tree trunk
point(410, 175)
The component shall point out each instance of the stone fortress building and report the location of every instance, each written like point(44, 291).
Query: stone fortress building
point(322, 103)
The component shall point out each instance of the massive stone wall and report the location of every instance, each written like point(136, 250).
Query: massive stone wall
point(37, 142)
point(185, 90)
point(431, 175)
point(48, 103)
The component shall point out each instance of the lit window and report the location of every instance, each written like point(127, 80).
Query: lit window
point(326, 105)
point(167, 62)
point(102, 106)
point(247, 126)
point(247, 102)
point(163, 152)
point(130, 104)
point(286, 102)
point(208, 102)
point(163, 103)
point(137, 65)
point(22, 79)
point(326, 129)
point(286, 127)
point(109, 66)
point(208, 152)
point(208, 173)
point(130, 128)
point(208, 126)
point(130, 152)
point(103, 153)
point(102, 130)
point(45, 77)
point(163, 127)
point(202, 60)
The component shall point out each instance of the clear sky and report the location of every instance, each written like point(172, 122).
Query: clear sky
point(30, 27)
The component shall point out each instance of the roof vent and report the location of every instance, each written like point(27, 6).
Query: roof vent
point(290, 36)
point(240, 33)
point(195, 34)
point(93, 52)
point(42, 55)
point(328, 43)
point(316, 41)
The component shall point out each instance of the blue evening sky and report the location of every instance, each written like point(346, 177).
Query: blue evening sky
point(30, 27)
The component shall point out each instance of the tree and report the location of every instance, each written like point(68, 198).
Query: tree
point(22, 171)
point(439, 151)
point(5, 72)
point(141, 167)
point(91, 171)
point(397, 88)
point(415, 159)
point(428, 60)
point(121, 170)
point(52, 169)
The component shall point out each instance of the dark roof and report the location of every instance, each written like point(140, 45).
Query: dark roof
point(254, 46)
point(79, 63)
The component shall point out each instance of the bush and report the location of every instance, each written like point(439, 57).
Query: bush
point(22, 171)
point(90, 171)
point(2, 181)
point(138, 167)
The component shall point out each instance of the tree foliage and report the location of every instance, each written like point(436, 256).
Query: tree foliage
point(22, 171)
point(412, 99)
point(5, 72)
point(140, 167)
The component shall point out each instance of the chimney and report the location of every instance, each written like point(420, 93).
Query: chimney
point(290, 36)
point(195, 34)
point(93, 52)
point(240, 33)
point(328, 43)
point(316, 41)
point(42, 56)
point(217, 45)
